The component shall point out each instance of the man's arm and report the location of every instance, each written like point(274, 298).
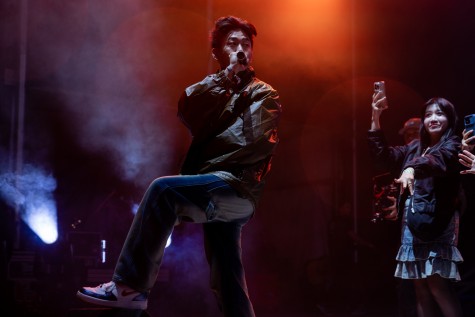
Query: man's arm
point(200, 104)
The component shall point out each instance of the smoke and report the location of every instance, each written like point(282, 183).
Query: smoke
point(31, 193)
point(131, 86)
point(27, 188)
point(130, 134)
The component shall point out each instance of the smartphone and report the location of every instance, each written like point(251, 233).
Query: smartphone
point(469, 122)
point(380, 91)
point(379, 86)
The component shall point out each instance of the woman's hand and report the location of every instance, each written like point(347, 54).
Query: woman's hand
point(467, 159)
point(379, 104)
point(468, 141)
point(406, 180)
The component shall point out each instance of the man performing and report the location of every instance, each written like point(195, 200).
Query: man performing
point(232, 117)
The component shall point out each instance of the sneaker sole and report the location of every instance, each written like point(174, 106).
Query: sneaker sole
point(142, 305)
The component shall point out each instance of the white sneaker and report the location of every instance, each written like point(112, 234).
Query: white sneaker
point(113, 295)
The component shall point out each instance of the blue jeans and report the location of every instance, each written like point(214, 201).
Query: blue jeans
point(205, 199)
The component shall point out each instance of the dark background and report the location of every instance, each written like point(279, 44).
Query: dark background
point(102, 80)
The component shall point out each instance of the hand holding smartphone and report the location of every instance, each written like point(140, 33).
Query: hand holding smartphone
point(379, 96)
point(469, 124)
point(380, 87)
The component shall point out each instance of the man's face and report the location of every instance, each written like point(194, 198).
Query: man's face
point(235, 41)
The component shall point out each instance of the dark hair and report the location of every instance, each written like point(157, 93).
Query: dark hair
point(224, 25)
point(449, 110)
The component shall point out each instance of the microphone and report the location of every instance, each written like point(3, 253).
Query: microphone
point(242, 58)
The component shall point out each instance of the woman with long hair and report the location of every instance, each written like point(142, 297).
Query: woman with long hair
point(429, 184)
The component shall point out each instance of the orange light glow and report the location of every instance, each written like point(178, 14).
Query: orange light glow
point(313, 30)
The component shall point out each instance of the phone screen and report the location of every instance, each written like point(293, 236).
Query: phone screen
point(469, 122)
point(379, 86)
